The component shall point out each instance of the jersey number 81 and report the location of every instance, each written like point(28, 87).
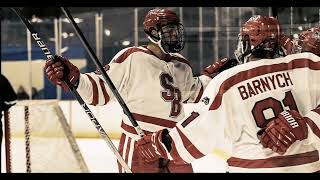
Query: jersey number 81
point(274, 105)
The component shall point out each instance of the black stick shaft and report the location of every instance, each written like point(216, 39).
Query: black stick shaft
point(104, 74)
point(275, 12)
point(101, 131)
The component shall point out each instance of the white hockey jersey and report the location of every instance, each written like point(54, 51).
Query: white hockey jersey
point(153, 89)
point(240, 101)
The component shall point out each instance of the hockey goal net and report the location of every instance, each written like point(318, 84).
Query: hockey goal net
point(38, 139)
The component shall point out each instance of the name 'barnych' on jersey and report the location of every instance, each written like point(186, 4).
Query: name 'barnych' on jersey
point(265, 83)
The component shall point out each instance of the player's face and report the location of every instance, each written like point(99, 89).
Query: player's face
point(173, 36)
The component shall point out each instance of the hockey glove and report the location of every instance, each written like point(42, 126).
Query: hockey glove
point(219, 66)
point(283, 131)
point(286, 43)
point(61, 68)
point(151, 146)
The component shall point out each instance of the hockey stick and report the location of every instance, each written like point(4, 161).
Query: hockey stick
point(48, 54)
point(101, 69)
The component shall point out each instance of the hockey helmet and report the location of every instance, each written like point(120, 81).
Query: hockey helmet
point(258, 34)
point(309, 41)
point(163, 27)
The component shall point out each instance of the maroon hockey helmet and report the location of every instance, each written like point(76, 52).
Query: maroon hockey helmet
point(157, 18)
point(258, 33)
point(309, 41)
point(163, 27)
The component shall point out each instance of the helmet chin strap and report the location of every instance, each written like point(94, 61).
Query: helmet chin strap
point(157, 43)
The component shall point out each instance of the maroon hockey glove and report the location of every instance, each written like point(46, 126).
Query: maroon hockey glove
point(274, 145)
point(219, 66)
point(283, 131)
point(151, 148)
point(58, 68)
point(286, 43)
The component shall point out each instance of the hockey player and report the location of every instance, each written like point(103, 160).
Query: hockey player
point(308, 41)
point(277, 95)
point(154, 80)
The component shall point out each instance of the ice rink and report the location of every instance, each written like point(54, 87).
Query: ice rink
point(100, 159)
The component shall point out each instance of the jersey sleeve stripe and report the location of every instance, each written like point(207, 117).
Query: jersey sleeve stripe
point(180, 147)
point(313, 126)
point(123, 136)
point(128, 150)
point(189, 146)
point(94, 90)
point(104, 91)
point(175, 155)
point(131, 129)
point(154, 120)
point(276, 161)
point(313, 120)
point(258, 71)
